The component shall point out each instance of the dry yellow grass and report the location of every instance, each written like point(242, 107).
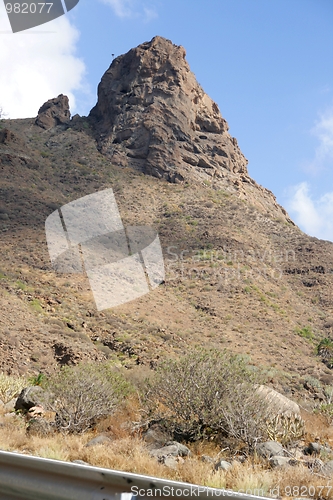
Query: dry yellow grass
point(128, 453)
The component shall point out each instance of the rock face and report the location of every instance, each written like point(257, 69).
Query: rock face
point(54, 112)
point(152, 115)
point(151, 112)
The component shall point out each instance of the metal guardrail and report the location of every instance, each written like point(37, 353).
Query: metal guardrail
point(32, 478)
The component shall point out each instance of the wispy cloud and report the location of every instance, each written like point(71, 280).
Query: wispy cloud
point(323, 131)
point(314, 216)
point(122, 8)
point(132, 8)
point(150, 14)
point(37, 65)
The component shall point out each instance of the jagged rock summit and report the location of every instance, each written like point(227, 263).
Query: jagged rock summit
point(152, 115)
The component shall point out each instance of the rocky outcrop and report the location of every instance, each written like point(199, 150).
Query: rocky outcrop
point(152, 115)
point(54, 112)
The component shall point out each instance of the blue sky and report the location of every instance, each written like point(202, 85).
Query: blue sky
point(267, 63)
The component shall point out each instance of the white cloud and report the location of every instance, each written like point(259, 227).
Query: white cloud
point(315, 217)
point(37, 65)
point(323, 130)
point(132, 8)
point(149, 14)
point(122, 8)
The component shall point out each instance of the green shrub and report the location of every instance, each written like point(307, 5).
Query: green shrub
point(305, 332)
point(83, 394)
point(39, 379)
point(36, 305)
point(208, 393)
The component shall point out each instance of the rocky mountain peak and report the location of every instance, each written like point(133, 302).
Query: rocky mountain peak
point(153, 115)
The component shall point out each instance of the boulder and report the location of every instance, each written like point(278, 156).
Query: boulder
point(35, 412)
point(182, 450)
point(316, 449)
point(172, 449)
point(278, 461)
point(29, 397)
point(277, 403)
point(270, 449)
point(54, 112)
point(284, 421)
point(98, 440)
point(222, 465)
point(156, 436)
point(170, 462)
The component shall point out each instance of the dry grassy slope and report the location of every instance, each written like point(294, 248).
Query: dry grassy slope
point(247, 280)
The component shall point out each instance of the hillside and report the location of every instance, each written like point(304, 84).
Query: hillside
point(240, 274)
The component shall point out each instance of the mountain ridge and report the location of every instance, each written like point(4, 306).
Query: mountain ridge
point(239, 274)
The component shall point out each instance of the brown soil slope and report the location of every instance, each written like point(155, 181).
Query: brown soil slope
point(239, 274)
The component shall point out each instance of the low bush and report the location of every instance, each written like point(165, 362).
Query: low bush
point(83, 394)
point(208, 393)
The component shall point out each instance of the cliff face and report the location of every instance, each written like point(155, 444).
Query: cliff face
point(152, 115)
